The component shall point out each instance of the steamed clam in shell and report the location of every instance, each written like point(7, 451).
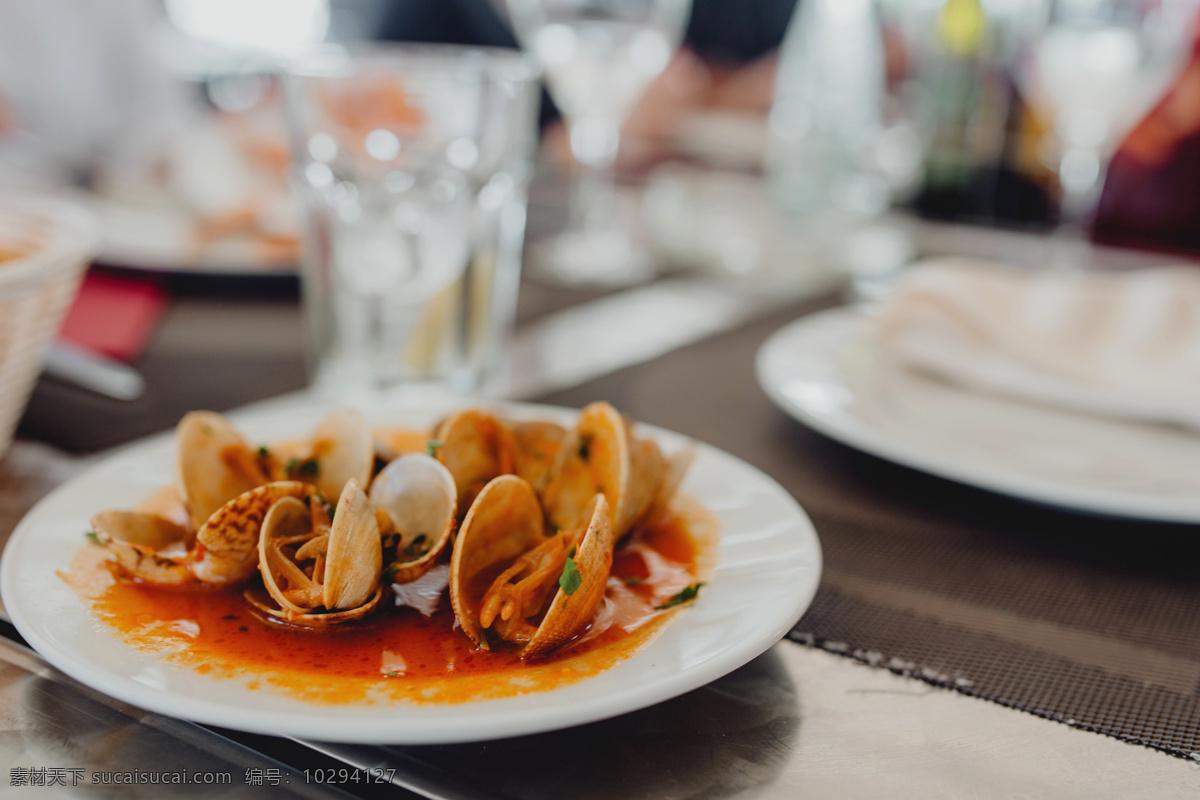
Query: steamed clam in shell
point(476, 447)
point(156, 551)
point(147, 547)
point(602, 455)
point(320, 572)
point(226, 544)
point(214, 464)
point(342, 450)
point(505, 573)
point(417, 496)
point(538, 443)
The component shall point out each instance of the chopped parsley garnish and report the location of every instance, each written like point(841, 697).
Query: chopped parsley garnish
point(393, 569)
point(263, 452)
point(570, 578)
point(416, 547)
point(390, 674)
point(432, 446)
point(630, 580)
point(308, 468)
point(683, 596)
point(92, 537)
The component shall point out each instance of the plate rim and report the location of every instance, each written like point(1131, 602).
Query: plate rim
point(860, 435)
point(443, 730)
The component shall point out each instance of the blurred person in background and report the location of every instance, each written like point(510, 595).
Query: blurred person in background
point(82, 94)
point(726, 63)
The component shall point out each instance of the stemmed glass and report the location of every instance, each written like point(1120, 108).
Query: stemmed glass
point(598, 56)
point(1099, 66)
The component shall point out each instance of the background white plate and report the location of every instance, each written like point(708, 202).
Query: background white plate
point(769, 566)
point(823, 371)
point(157, 235)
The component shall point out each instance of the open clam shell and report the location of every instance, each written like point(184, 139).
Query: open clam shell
point(602, 455)
point(213, 465)
point(418, 495)
point(505, 574)
point(146, 547)
point(227, 543)
point(287, 528)
point(320, 573)
point(476, 447)
point(538, 443)
point(677, 465)
point(342, 450)
point(355, 556)
point(503, 523)
point(570, 614)
point(312, 621)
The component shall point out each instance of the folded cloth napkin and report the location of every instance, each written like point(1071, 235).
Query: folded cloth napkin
point(1119, 344)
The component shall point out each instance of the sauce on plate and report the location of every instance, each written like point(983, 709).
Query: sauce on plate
point(398, 653)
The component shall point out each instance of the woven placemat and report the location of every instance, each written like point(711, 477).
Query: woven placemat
point(1090, 621)
point(1118, 655)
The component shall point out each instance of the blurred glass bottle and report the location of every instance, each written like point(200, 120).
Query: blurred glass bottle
point(828, 112)
point(982, 137)
point(1149, 197)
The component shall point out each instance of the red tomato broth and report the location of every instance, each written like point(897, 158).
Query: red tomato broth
point(397, 654)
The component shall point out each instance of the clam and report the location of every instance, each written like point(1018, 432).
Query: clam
point(214, 464)
point(676, 468)
point(318, 572)
point(147, 547)
point(538, 443)
point(226, 545)
point(342, 450)
point(419, 499)
point(153, 550)
point(508, 580)
point(602, 455)
point(476, 447)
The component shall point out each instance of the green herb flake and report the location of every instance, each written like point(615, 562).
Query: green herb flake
point(684, 596)
point(291, 466)
point(330, 508)
point(391, 674)
point(263, 452)
point(417, 547)
point(92, 537)
point(393, 569)
point(570, 578)
point(630, 580)
point(585, 444)
point(432, 446)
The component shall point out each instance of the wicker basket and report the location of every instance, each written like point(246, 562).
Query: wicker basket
point(45, 244)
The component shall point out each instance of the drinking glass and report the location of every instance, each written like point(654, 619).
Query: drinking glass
point(1098, 67)
point(598, 56)
point(412, 165)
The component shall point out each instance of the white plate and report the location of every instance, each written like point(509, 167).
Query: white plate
point(769, 566)
point(157, 234)
point(822, 370)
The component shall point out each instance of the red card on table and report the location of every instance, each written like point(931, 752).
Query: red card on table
point(114, 315)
